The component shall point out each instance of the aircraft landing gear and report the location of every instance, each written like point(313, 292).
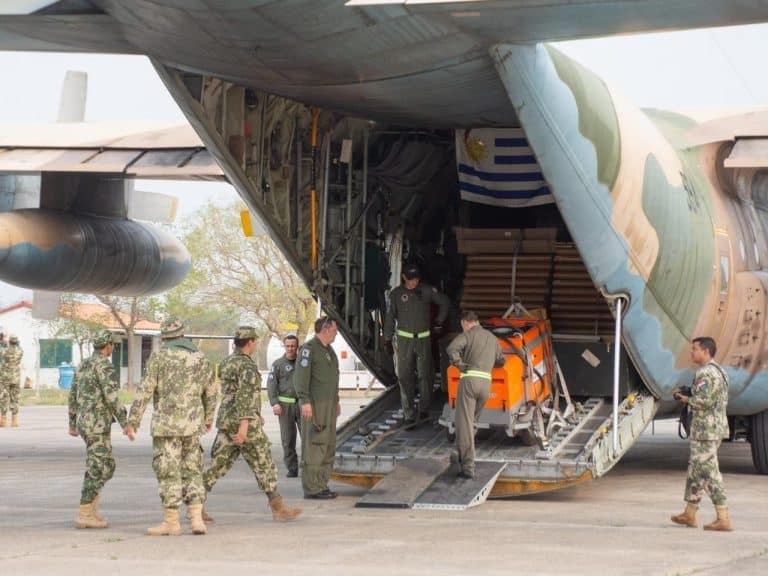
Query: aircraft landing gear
point(758, 438)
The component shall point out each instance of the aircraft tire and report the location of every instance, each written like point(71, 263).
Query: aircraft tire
point(759, 441)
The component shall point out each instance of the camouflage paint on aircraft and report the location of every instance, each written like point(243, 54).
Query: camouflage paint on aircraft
point(639, 211)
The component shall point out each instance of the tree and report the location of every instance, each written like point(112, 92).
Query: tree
point(73, 324)
point(127, 311)
point(234, 276)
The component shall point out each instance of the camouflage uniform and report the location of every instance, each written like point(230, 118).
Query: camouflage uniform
point(180, 382)
point(474, 352)
point(241, 400)
point(410, 311)
point(317, 383)
point(93, 406)
point(10, 375)
point(281, 391)
point(709, 425)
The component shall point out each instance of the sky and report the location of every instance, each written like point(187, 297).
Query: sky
point(711, 68)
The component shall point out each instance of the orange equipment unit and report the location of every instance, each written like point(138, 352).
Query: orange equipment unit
point(526, 377)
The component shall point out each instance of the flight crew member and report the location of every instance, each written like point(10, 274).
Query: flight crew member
point(93, 406)
point(282, 398)
point(10, 375)
point(179, 381)
point(317, 386)
point(408, 316)
point(241, 426)
point(708, 401)
point(475, 352)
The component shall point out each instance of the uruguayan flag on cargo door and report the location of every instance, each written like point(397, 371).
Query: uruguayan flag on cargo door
point(496, 166)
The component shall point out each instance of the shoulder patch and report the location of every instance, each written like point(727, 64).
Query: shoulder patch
point(305, 352)
point(304, 362)
point(701, 383)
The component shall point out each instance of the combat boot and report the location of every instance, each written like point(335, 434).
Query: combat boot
point(723, 522)
point(196, 517)
point(687, 518)
point(170, 525)
point(95, 508)
point(15, 420)
point(86, 519)
point(206, 517)
point(281, 512)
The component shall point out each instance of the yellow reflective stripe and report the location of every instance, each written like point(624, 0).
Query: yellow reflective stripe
point(286, 399)
point(404, 334)
point(476, 374)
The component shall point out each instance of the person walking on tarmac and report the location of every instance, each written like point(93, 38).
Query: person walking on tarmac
point(475, 352)
point(317, 387)
point(241, 426)
point(93, 406)
point(408, 316)
point(282, 398)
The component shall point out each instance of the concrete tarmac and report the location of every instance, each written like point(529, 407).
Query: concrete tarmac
point(615, 525)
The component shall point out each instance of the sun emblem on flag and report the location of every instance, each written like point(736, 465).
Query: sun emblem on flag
point(475, 147)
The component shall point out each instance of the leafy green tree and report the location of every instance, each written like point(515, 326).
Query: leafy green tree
point(237, 279)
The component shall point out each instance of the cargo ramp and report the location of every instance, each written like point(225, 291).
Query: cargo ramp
point(374, 445)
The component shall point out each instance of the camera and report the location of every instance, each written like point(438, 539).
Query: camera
point(683, 391)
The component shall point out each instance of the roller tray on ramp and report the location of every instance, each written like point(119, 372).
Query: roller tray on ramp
point(421, 483)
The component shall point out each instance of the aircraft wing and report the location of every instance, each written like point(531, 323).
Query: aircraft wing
point(138, 150)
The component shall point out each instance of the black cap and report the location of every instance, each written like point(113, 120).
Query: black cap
point(411, 272)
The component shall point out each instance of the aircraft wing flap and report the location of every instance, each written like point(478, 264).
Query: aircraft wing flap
point(179, 163)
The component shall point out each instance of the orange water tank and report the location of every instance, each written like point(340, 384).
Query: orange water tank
point(526, 375)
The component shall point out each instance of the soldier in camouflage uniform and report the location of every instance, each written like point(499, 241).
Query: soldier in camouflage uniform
point(10, 375)
point(179, 380)
point(709, 425)
point(409, 312)
point(474, 352)
point(241, 427)
point(3, 387)
point(282, 397)
point(317, 387)
point(93, 406)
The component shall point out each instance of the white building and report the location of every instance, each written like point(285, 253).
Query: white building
point(44, 351)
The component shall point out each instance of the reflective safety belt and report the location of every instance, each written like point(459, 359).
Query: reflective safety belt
point(404, 334)
point(286, 400)
point(476, 374)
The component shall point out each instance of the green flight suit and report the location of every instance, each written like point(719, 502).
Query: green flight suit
point(408, 316)
point(475, 353)
point(93, 406)
point(179, 381)
point(316, 380)
point(709, 425)
point(281, 391)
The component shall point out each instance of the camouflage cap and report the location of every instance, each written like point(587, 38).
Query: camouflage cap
point(245, 333)
point(13, 339)
point(172, 328)
point(102, 338)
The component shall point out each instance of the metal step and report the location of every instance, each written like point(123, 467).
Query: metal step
point(401, 487)
point(448, 492)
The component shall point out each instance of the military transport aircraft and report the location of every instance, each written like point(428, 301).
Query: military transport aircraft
point(363, 133)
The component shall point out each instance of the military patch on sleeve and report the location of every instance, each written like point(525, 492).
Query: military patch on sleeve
point(304, 362)
point(305, 352)
point(700, 384)
point(288, 367)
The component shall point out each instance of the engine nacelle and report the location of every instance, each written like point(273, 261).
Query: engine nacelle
point(65, 252)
